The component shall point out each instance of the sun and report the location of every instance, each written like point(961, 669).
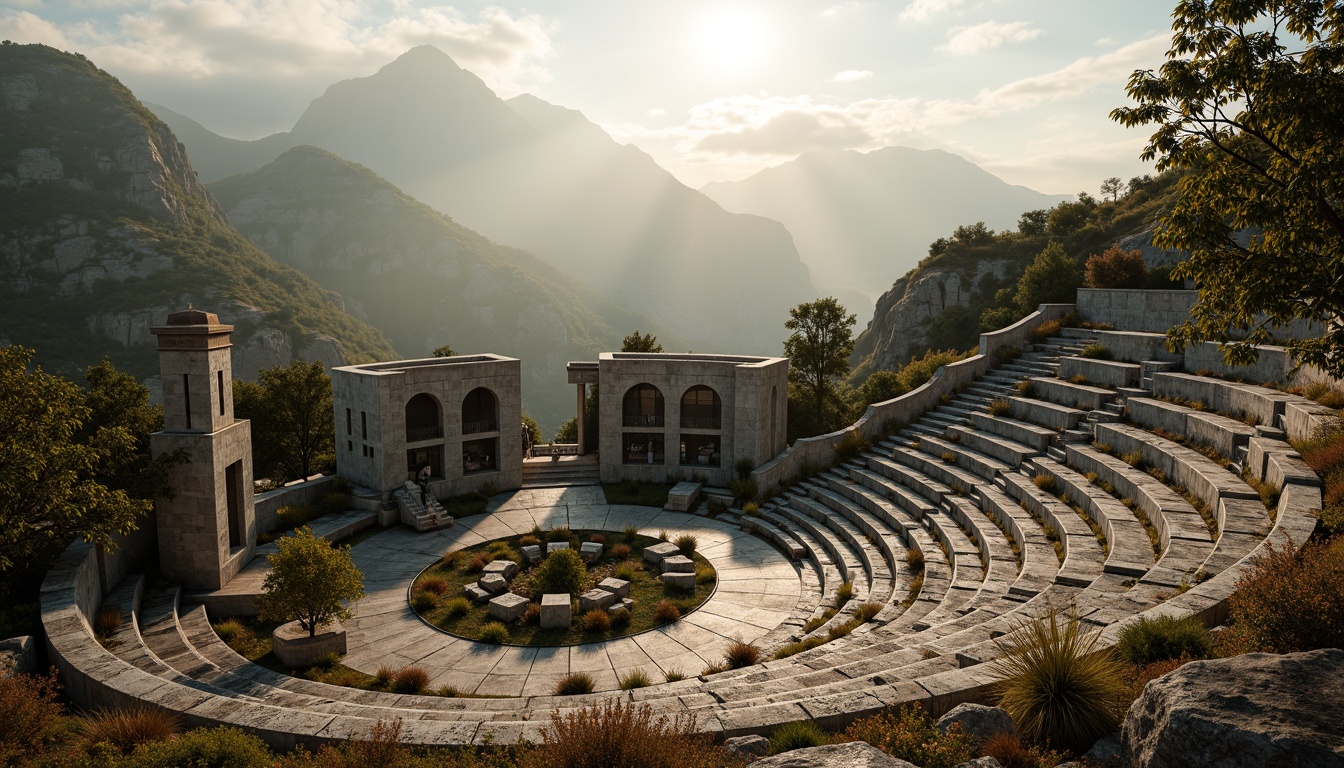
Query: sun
point(731, 41)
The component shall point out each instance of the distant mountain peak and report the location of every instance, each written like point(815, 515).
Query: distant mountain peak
point(423, 56)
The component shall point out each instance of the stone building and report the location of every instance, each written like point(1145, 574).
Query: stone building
point(687, 416)
point(460, 416)
point(207, 532)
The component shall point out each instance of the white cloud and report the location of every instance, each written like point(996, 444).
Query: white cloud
point(851, 76)
point(843, 9)
point(197, 39)
point(965, 41)
point(922, 10)
point(656, 112)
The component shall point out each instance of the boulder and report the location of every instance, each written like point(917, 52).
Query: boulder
point(981, 762)
point(618, 587)
point(18, 656)
point(748, 746)
point(596, 600)
point(854, 754)
point(1254, 710)
point(978, 721)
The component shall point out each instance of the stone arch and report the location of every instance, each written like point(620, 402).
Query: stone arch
point(480, 411)
point(424, 418)
point(701, 408)
point(642, 406)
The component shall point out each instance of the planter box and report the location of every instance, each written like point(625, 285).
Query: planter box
point(294, 648)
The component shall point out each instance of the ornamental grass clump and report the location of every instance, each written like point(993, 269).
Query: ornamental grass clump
point(666, 612)
point(1000, 407)
point(410, 679)
point(635, 678)
point(596, 620)
point(495, 633)
point(127, 728)
point(1057, 685)
point(457, 607)
point(622, 735)
point(686, 543)
point(799, 735)
point(741, 654)
point(574, 684)
point(1163, 638)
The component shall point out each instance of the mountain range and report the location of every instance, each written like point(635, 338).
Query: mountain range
point(861, 219)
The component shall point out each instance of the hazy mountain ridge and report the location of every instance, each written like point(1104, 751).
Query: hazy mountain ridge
point(421, 277)
point(545, 179)
point(860, 219)
point(104, 229)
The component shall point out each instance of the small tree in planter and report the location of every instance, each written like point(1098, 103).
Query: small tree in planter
point(309, 582)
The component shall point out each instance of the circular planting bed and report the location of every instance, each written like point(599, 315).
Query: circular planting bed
point(437, 594)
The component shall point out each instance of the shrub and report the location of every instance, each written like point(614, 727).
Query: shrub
point(562, 572)
point(623, 735)
point(741, 654)
point(751, 509)
point(910, 734)
point(229, 630)
point(1103, 447)
point(495, 633)
point(598, 538)
point(949, 457)
point(1163, 638)
point(1097, 352)
point(619, 551)
point(531, 614)
point(791, 736)
point(574, 684)
point(558, 534)
point(423, 601)
point(434, 584)
point(844, 594)
point(1045, 481)
point(744, 466)
point(635, 678)
point(1291, 600)
point(1058, 687)
point(795, 648)
point(1011, 752)
point(1116, 268)
point(1025, 387)
point(528, 540)
point(620, 618)
point(220, 747)
point(1132, 458)
point(1045, 330)
point(915, 559)
point(290, 517)
point(410, 679)
point(478, 563)
point(458, 607)
point(596, 620)
point(625, 571)
point(28, 707)
point(919, 371)
point(384, 675)
point(866, 612)
point(686, 543)
point(1000, 407)
point(850, 447)
point(743, 490)
point(666, 612)
point(125, 729)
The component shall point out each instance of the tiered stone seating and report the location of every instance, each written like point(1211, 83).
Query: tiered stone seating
point(957, 485)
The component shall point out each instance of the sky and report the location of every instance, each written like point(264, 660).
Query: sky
point(714, 91)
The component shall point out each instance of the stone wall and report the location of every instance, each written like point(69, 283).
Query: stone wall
point(1136, 310)
point(307, 492)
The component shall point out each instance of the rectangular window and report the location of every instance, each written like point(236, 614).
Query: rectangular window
point(364, 425)
point(642, 448)
point(350, 446)
point(700, 450)
point(220, 376)
point(349, 425)
point(233, 493)
point(186, 397)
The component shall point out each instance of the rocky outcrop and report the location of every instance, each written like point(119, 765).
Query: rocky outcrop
point(18, 656)
point(978, 721)
point(854, 754)
point(1243, 712)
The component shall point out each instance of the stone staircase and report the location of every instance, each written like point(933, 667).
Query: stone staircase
point(422, 517)
point(560, 471)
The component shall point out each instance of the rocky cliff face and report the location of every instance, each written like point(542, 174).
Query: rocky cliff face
point(105, 228)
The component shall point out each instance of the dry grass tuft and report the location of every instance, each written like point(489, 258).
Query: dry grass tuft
point(741, 655)
point(410, 679)
point(125, 729)
point(622, 735)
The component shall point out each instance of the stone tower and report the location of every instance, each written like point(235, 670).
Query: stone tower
point(208, 530)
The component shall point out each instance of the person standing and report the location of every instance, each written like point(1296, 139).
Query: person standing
point(527, 441)
point(423, 480)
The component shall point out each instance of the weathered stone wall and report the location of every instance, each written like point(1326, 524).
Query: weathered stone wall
point(266, 504)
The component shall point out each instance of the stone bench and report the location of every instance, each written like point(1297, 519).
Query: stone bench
point(1036, 437)
point(1056, 417)
point(1106, 373)
point(1131, 551)
point(1008, 451)
point(1060, 392)
point(683, 497)
point(1221, 433)
point(1084, 559)
point(1170, 514)
point(1204, 479)
point(1239, 400)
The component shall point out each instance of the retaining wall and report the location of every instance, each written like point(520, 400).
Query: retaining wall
point(306, 492)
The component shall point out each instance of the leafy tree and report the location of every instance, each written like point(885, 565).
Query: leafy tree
point(818, 349)
point(919, 370)
point(1052, 277)
point(636, 342)
point(1033, 223)
point(994, 318)
point(1250, 100)
point(973, 234)
point(1116, 268)
point(50, 488)
point(1110, 188)
point(533, 429)
point(880, 387)
point(310, 582)
point(119, 410)
point(290, 406)
point(444, 351)
point(567, 432)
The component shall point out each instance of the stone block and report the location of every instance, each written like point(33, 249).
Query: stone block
point(590, 551)
point(655, 554)
point(476, 594)
point(493, 583)
point(1103, 373)
point(626, 603)
point(508, 607)
point(533, 553)
point(678, 564)
point(556, 612)
point(1288, 468)
point(506, 568)
point(595, 599)
point(618, 587)
point(683, 497)
point(556, 546)
point(679, 580)
point(294, 648)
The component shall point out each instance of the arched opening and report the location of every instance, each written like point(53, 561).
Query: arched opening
point(480, 412)
point(701, 409)
point(642, 406)
point(423, 419)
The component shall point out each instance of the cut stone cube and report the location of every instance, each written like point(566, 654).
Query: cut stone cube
point(556, 546)
point(590, 551)
point(595, 598)
point(678, 564)
point(555, 611)
point(493, 583)
point(618, 587)
point(476, 594)
point(533, 553)
point(679, 580)
point(508, 607)
point(655, 554)
point(506, 568)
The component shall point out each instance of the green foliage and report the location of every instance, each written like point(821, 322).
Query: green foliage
point(533, 429)
point(744, 466)
point(220, 747)
point(1291, 600)
point(881, 386)
point(1116, 268)
point(850, 447)
point(562, 572)
point(444, 351)
point(310, 580)
point(1053, 277)
point(574, 684)
point(1162, 638)
point(1247, 100)
point(800, 735)
point(494, 633)
point(818, 350)
point(636, 342)
point(956, 327)
point(28, 708)
point(293, 434)
point(1097, 352)
point(1057, 685)
point(743, 490)
point(910, 734)
point(567, 432)
point(919, 371)
point(51, 483)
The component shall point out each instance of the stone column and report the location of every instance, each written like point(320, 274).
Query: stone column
point(579, 423)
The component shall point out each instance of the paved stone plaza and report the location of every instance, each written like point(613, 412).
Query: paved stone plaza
point(758, 588)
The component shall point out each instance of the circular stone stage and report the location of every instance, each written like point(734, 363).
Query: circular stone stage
point(758, 591)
